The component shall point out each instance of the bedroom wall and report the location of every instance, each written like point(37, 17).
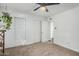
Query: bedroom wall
point(25, 29)
point(67, 29)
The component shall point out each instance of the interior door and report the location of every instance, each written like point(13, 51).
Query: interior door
point(19, 30)
point(45, 31)
point(32, 31)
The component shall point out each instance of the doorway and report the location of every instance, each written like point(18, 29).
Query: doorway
point(52, 30)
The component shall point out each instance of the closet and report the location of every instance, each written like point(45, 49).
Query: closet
point(27, 30)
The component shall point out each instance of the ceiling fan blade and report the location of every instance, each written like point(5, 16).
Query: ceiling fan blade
point(51, 4)
point(36, 9)
point(48, 4)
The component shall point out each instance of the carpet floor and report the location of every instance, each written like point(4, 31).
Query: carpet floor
point(40, 49)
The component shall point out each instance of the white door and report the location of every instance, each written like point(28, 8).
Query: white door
point(20, 30)
point(32, 31)
point(45, 31)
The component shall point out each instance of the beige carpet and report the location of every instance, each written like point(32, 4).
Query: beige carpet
point(40, 49)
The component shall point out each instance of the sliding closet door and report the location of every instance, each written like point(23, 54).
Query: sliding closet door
point(10, 36)
point(32, 31)
point(20, 30)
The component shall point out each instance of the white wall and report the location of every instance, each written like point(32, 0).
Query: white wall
point(67, 29)
point(25, 29)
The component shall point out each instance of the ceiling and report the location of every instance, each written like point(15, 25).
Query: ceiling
point(29, 7)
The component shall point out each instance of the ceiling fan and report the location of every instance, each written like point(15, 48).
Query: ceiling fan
point(43, 6)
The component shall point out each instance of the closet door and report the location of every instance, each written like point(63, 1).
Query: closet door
point(45, 31)
point(10, 36)
point(32, 31)
point(20, 30)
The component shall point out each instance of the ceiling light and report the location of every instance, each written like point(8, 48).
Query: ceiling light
point(43, 8)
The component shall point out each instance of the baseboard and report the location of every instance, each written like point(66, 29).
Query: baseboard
point(22, 45)
point(66, 47)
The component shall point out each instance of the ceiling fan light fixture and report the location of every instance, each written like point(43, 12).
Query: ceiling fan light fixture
point(43, 8)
